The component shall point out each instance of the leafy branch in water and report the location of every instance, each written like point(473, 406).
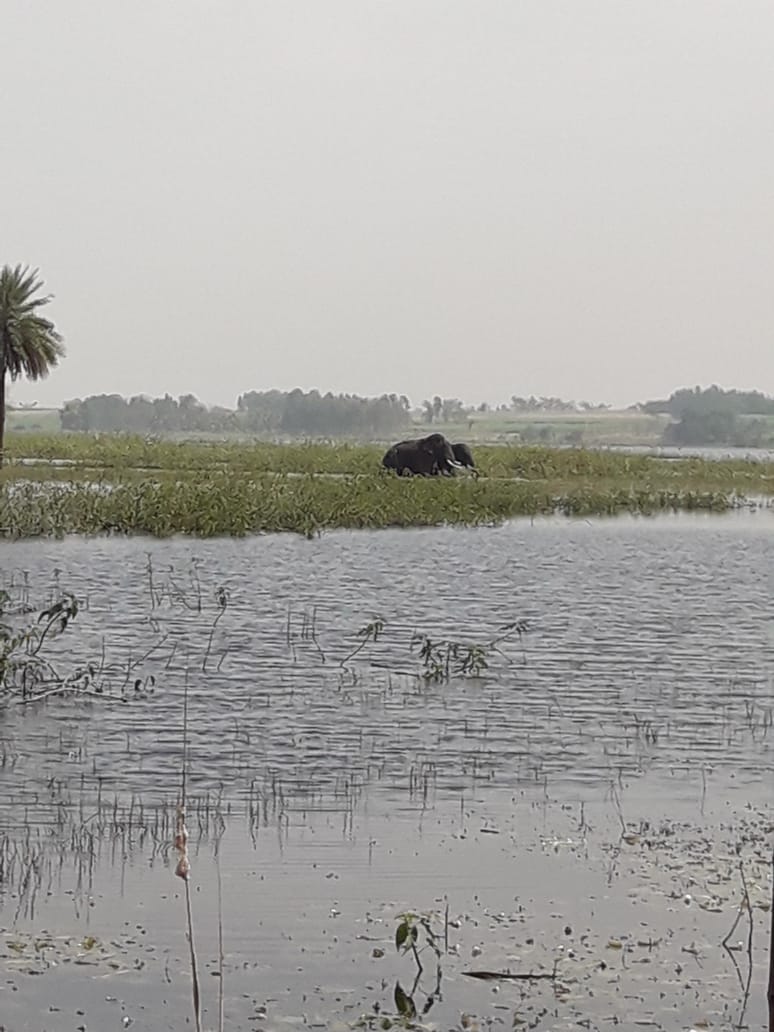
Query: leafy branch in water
point(56, 617)
point(22, 667)
point(28, 671)
point(369, 633)
point(407, 936)
point(445, 658)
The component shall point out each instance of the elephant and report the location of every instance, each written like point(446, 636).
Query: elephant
point(426, 456)
point(464, 456)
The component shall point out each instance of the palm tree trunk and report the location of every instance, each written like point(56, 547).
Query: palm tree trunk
point(2, 408)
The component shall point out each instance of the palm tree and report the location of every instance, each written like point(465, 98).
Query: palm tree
point(29, 344)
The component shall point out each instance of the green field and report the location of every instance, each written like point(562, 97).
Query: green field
point(75, 483)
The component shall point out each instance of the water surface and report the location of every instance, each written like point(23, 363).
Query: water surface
point(334, 787)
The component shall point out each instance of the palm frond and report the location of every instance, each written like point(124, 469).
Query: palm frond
point(29, 343)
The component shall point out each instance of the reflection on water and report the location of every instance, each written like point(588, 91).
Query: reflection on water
point(336, 787)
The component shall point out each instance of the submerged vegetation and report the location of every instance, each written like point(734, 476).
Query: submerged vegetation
point(122, 484)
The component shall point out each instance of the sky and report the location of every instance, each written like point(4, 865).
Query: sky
point(473, 199)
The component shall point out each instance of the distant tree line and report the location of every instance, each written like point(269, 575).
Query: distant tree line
point(715, 416)
point(105, 413)
point(550, 404)
point(450, 410)
point(698, 401)
point(268, 412)
point(297, 412)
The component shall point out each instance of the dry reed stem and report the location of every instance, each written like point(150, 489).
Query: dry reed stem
point(183, 869)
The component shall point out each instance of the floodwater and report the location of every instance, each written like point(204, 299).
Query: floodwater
point(591, 806)
point(717, 453)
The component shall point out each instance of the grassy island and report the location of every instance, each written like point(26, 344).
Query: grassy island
point(81, 484)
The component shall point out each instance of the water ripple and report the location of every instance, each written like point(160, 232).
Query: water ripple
point(649, 647)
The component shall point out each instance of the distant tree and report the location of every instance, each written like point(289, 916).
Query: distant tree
point(445, 410)
point(139, 414)
point(451, 409)
point(72, 415)
point(711, 415)
point(752, 433)
point(165, 415)
point(702, 428)
point(222, 420)
point(261, 411)
point(193, 415)
point(698, 401)
point(105, 412)
point(29, 343)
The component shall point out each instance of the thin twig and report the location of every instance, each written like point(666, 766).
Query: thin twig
point(209, 640)
point(145, 655)
point(74, 689)
point(490, 975)
point(221, 597)
point(744, 905)
point(770, 991)
point(221, 998)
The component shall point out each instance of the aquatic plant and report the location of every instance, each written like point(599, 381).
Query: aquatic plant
point(24, 669)
point(219, 504)
point(221, 600)
point(445, 658)
point(407, 938)
point(368, 633)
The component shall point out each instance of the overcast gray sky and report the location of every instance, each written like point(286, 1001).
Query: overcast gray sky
point(476, 199)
